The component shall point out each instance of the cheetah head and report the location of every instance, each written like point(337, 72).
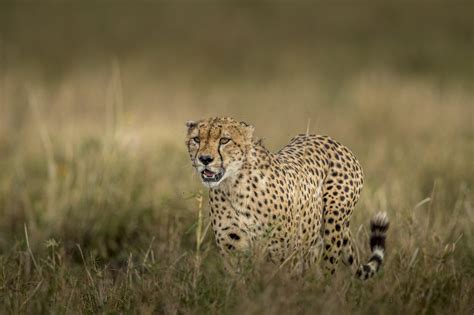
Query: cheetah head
point(218, 147)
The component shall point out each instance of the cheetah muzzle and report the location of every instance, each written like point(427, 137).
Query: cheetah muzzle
point(209, 176)
point(298, 202)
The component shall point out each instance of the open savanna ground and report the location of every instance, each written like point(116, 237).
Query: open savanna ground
point(100, 209)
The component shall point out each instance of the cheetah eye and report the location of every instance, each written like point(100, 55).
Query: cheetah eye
point(196, 139)
point(224, 140)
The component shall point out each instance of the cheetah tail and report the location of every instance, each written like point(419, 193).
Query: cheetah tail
point(378, 232)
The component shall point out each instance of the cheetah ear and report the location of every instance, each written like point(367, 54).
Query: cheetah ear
point(249, 129)
point(191, 124)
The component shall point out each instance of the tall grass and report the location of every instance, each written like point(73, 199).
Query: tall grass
point(101, 211)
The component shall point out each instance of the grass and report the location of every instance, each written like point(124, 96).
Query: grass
point(102, 215)
point(100, 210)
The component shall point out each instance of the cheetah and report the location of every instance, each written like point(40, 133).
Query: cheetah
point(299, 199)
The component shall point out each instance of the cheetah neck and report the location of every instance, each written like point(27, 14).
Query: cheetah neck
point(256, 163)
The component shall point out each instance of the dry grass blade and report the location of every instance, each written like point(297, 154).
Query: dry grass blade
point(424, 201)
point(27, 239)
point(38, 286)
point(89, 276)
point(147, 253)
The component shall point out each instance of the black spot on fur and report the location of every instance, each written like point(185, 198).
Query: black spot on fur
point(234, 236)
point(376, 227)
point(366, 268)
point(377, 241)
point(377, 259)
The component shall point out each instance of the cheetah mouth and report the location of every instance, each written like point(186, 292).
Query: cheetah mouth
point(210, 176)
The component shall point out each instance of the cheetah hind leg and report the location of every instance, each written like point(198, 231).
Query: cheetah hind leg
point(350, 256)
point(332, 246)
point(378, 232)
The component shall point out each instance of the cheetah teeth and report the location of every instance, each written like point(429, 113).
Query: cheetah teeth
point(210, 176)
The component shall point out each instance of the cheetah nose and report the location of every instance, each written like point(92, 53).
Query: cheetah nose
point(206, 159)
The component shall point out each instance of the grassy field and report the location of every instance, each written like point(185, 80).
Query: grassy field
point(99, 204)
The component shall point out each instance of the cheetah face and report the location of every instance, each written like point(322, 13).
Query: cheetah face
point(218, 147)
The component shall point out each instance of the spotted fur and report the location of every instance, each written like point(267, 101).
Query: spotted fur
point(296, 200)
